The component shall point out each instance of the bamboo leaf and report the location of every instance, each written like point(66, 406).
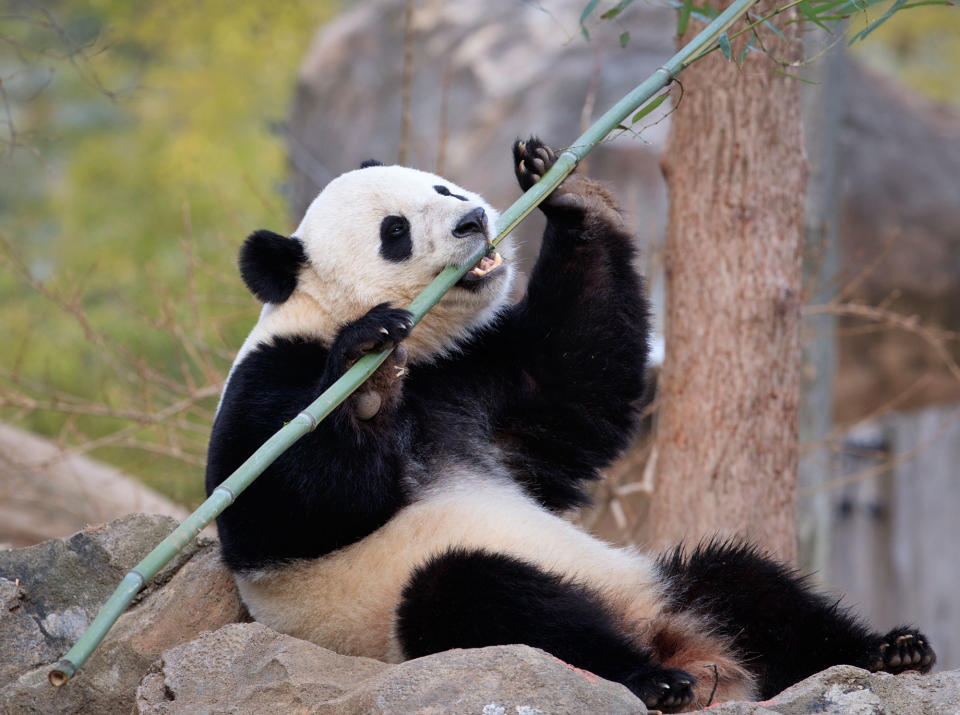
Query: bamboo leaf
point(613, 12)
point(587, 11)
point(746, 48)
point(898, 5)
point(705, 13)
point(708, 10)
point(926, 2)
point(644, 111)
point(724, 43)
point(683, 18)
point(624, 39)
point(846, 8)
point(806, 9)
point(770, 26)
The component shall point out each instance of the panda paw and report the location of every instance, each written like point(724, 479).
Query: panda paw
point(665, 689)
point(531, 160)
point(577, 202)
point(381, 328)
point(903, 649)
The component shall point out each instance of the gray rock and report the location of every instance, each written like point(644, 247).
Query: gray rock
point(50, 592)
point(853, 691)
point(248, 668)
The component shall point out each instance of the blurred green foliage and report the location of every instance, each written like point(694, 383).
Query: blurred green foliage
point(136, 155)
point(921, 48)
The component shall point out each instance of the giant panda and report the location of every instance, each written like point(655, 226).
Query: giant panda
point(426, 512)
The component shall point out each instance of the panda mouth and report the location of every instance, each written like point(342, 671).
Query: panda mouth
point(485, 268)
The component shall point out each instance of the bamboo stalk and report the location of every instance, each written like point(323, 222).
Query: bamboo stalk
point(307, 420)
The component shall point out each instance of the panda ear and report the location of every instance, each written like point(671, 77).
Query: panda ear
point(370, 162)
point(269, 264)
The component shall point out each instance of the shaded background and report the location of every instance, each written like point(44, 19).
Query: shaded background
point(142, 142)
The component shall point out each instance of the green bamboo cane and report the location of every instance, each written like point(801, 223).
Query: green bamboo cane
point(307, 420)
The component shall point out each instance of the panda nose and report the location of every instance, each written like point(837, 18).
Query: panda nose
point(473, 222)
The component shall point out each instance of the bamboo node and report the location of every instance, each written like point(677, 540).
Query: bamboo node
point(311, 420)
point(226, 491)
point(572, 155)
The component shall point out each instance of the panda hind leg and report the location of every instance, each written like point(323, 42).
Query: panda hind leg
point(785, 630)
point(473, 598)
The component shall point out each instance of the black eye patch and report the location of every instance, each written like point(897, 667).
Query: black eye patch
point(444, 191)
point(395, 242)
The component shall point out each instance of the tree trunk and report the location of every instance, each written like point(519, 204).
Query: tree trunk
point(730, 388)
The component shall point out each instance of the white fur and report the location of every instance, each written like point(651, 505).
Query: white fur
point(346, 600)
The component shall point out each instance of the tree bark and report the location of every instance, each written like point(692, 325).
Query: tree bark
point(726, 439)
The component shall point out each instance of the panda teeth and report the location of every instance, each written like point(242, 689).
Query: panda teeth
point(487, 264)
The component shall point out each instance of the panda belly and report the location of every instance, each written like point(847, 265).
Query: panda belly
point(346, 601)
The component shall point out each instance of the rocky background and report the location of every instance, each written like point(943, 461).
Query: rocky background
point(185, 646)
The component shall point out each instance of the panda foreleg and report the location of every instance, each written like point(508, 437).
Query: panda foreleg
point(471, 598)
point(577, 342)
point(783, 629)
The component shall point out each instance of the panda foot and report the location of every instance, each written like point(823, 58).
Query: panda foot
point(665, 689)
point(904, 649)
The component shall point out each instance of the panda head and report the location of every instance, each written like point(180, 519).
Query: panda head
point(379, 234)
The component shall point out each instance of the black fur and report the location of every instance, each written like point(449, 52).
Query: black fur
point(783, 629)
point(370, 162)
point(308, 502)
point(396, 243)
point(269, 264)
point(473, 598)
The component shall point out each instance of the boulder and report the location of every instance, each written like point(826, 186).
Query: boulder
point(47, 491)
point(846, 689)
point(50, 592)
point(248, 668)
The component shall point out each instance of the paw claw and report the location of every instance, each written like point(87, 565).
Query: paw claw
point(663, 688)
point(905, 649)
